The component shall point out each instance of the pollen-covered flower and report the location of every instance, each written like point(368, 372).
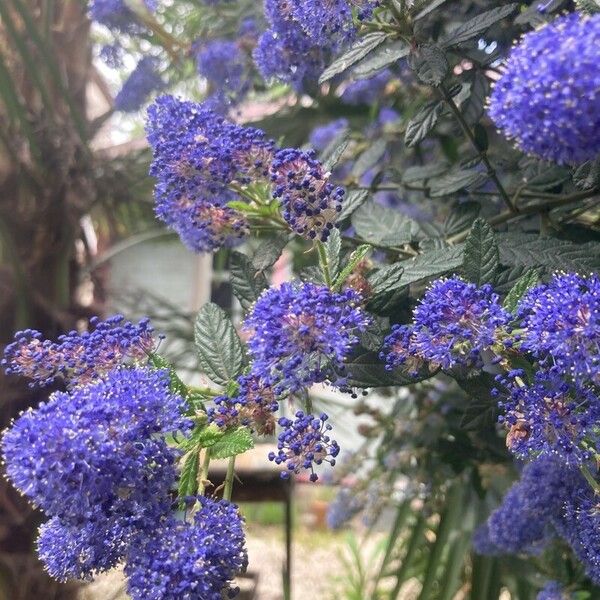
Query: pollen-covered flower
point(304, 443)
point(97, 449)
point(299, 333)
point(548, 99)
point(253, 406)
point(195, 560)
point(549, 416)
point(455, 322)
point(144, 80)
point(78, 357)
point(560, 325)
point(310, 203)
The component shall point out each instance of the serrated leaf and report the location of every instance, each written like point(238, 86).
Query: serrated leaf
point(587, 175)
point(232, 443)
point(269, 251)
point(454, 181)
point(188, 479)
point(473, 106)
point(431, 264)
point(365, 370)
point(219, 349)
point(202, 437)
point(461, 217)
point(380, 225)
point(246, 282)
point(416, 174)
point(334, 150)
point(380, 58)
point(355, 257)
point(478, 25)
point(589, 6)
point(542, 175)
point(509, 276)
point(557, 255)
point(372, 338)
point(370, 157)
point(422, 123)
point(386, 279)
point(333, 246)
point(175, 383)
point(480, 258)
point(352, 200)
point(429, 8)
point(358, 51)
point(482, 410)
point(429, 63)
point(526, 282)
point(387, 304)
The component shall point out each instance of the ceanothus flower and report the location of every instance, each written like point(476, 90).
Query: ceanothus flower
point(548, 99)
point(224, 66)
point(367, 91)
point(194, 560)
point(549, 416)
point(327, 23)
point(304, 443)
point(553, 591)
point(345, 505)
point(560, 325)
point(78, 357)
point(95, 452)
point(398, 351)
point(323, 135)
point(300, 333)
point(252, 406)
point(455, 322)
point(144, 80)
point(115, 14)
point(310, 203)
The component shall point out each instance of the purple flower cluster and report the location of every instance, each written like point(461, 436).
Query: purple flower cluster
point(549, 416)
point(195, 560)
point(310, 203)
point(115, 14)
point(78, 357)
point(548, 99)
point(252, 406)
point(367, 91)
point(560, 325)
point(223, 64)
point(553, 591)
point(323, 135)
point(143, 80)
point(197, 155)
point(345, 505)
point(453, 325)
point(94, 460)
point(300, 333)
point(304, 443)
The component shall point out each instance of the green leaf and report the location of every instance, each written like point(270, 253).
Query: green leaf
point(352, 200)
point(175, 383)
point(380, 58)
point(333, 246)
point(478, 25)
point(388, 303)
point(431, 264)
point(482, 410)
point(334, 150)
point(233, 442)
point(429, 63)
point(587, 175)
point(218, 346)
point(246, 282)
point(202, 437)
point(188, 479)
point(372, 338)
point(527, 281)
point(370, 157)
point(456, 180)
point(418, 174)
point(473, 106)
point(462, 215)
point(354, 259)
point(589, 6)
point(383, 226)
point(415, 542)
point(358, 51)
point(480, 259)
point(422, 123)
point(387, 278)
point(431, 6)
point(366, 370)
point(268, 252)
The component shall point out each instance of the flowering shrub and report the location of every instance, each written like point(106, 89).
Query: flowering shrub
point(439, 261)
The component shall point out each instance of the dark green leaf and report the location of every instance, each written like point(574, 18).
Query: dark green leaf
point(268, 252)
point(365, 369)
point(589, 6)
point(352, 200)
point(461, 217)
point(587, 175)
point(387, 304)
point(202, 437)
point(542, 175)
point(478, 25)
point(379, 59)
point(417, 174)
point(473, 106)
point(334, 150)
point(431, 264)
point(429, 63)
point(358, 51)
point(508, 277)
point(233, 442)
point(372, 338)
point(387, 278)
point(422, 123)
point(246, 282)
point(529, 280)
point(480, 259)
point(431, 6)
point(455, 181)
point(333, 246)
point(370, 157)
point(218, 346)
point(380, 225)
point(355, 257)
point(482, 409)
point(188, 480)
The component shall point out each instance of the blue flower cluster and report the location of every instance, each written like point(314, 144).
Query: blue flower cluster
point(553, 591)
point(93, 460)
point(548, 99)
point(253, 406)
point(453, 325)
point(367, 91)
point(310, 203)
point(194, 560)
point(345, 505)
point(143, 80)
point(304, 443)
point(301, 333)
point(550, 500)
point(115, 14)
point(78, 357)
point(323, 135)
